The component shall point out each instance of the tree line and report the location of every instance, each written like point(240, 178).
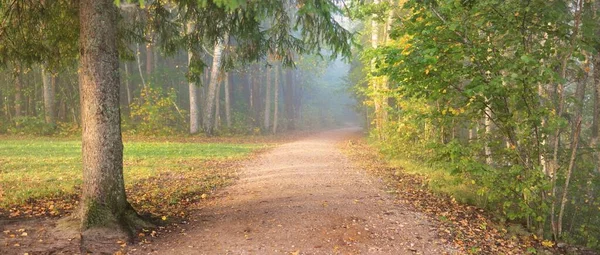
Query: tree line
point(504, 94)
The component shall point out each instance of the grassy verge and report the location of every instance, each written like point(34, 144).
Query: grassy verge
point(469, 229)
point(42, 176)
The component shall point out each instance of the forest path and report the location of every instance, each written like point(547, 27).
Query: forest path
point(303, 197)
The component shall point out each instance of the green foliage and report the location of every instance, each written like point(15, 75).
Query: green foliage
point(474, 89)
point(27, 125)
point(155, 113)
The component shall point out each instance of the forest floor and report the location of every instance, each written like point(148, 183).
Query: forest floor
point(327, 193)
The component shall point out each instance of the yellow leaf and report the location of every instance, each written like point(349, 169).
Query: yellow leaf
point(164, 218)
point(547, 243)
point(203, 196)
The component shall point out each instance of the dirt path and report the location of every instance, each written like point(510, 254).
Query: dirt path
point(303, 197)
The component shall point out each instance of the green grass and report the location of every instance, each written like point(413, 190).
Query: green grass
point(32, 168)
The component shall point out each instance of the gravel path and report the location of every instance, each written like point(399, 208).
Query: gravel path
point(303, 197)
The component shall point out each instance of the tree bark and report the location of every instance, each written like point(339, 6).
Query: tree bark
point(267, 112)
point(48, 96)
point(209, 103)
point(276, 99)
point(227, 99)
point(103, 201)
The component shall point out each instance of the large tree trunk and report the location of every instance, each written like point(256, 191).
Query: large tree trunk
point(276, 99)
point(48, 95)
point(227, 99)
point(103, 202)
point(209, 102)
point(267, 112)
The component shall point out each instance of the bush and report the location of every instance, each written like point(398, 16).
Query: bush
point(28, 125)
point(155, 113)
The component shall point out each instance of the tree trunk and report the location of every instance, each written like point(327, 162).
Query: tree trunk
point(487, 121)
point(103, 202)
point(139, 64)
point(48, 95)
point(255, 96)
point(563, 200)
point(149, 58)
point(212, 87)
point(227, 99)
point(267, 112)
point(276, 98)
point(194, 113)
point(596, 117)
point(289, 100)
point(374, 81)
point(18, 93)
point(218, 105)
point(127, 85)
point(193, 94)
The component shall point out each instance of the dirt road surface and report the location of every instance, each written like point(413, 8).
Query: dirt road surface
point(303, 197)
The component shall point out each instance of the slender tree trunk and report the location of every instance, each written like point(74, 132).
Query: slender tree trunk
point(596, 114)
point(103, 202)
point(127, 85)
point(18, 93)
point(48, 95)
point(289, 99)
point(487, 121)
point(149, 57)
point(194, 113)
point(563, 200)
point(267, 112)
point(276, 99)
point(255, 96)
point(193, 94)
point(560, 91)
point(139, 64)
point(227, 99)
point(596, 95)
point(212, 87)
point(218, 105)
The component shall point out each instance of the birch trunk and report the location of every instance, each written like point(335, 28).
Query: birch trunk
point(209, 102)
point(193, 94)
point(218, 106)
point(48, 96)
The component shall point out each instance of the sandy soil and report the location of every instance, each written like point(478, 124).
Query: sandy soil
point(303, 197)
